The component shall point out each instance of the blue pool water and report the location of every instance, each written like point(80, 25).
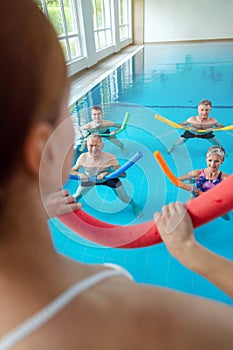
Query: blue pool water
point(168, 80)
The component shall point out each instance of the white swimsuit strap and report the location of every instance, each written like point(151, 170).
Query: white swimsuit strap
point(46, 313)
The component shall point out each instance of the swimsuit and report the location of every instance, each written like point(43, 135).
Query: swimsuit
point(190, 135)
point(54, 307)
point(104, 132)
point(113, 183)
point(203, 184)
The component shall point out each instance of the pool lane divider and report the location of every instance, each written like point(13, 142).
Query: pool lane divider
point(202, 209)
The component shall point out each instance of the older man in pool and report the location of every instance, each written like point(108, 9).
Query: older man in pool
point(200, 122)
point(97, 164)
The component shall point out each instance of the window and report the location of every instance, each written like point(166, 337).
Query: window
point(124, 22)
point(89, 30)
point(102, 22)
point(63, 15)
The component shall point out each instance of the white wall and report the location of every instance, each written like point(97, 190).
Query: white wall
point(181, 20)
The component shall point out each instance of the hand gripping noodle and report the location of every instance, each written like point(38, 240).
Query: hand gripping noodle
point(115, 173)
point(123, 126)
point(202, 209)
point(167, 171)
point(178, 126)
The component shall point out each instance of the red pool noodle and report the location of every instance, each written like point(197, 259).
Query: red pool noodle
point(207, 207)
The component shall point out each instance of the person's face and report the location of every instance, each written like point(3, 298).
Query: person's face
point(204, 111)
point(96, 115)
point(214, 161)
point(94, 147)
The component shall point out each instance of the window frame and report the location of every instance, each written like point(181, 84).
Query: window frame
point(84, 25)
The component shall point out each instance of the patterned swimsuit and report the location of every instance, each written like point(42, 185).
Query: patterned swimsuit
point(203, 184)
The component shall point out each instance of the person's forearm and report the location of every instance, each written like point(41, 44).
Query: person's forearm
point(213, 267)
point(183, 185)
point(118, 126)
point(74, 171)
point(184, 177)
point(219, 126)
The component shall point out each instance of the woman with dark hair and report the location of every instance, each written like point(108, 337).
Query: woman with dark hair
point(48, 301)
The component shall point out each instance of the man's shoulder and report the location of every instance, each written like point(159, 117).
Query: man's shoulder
point(87, 125)
point(108, 155)
point(82, 157)
point(192, 119)
point(106, 122)
point(212, 120)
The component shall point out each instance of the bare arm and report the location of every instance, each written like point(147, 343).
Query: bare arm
point(75, 169)
point(185, 123)
point(86, 126)
point(109, 123)
point(115, 165)
point(117, 126)
point(191, 175)
point(190, 121)
point(218, 125)
point(176, 229)
point(194, 125)
point(215, 126)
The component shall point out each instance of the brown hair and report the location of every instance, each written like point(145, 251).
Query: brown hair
point(96, 108)
point(33, 76)
point(205, 103)
point(95, 137)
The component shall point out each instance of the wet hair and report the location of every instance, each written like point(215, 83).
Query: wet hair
point(33, 77)
point(96, 108)
point(220, 151)
point(205, 103)
point(95, 137)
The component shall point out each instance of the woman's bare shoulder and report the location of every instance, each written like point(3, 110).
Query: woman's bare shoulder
point(196, 173)
point(118, 313)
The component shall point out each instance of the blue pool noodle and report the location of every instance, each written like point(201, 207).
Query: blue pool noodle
point(115, 173)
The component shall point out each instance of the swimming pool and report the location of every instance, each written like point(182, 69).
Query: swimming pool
point(169, 80)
